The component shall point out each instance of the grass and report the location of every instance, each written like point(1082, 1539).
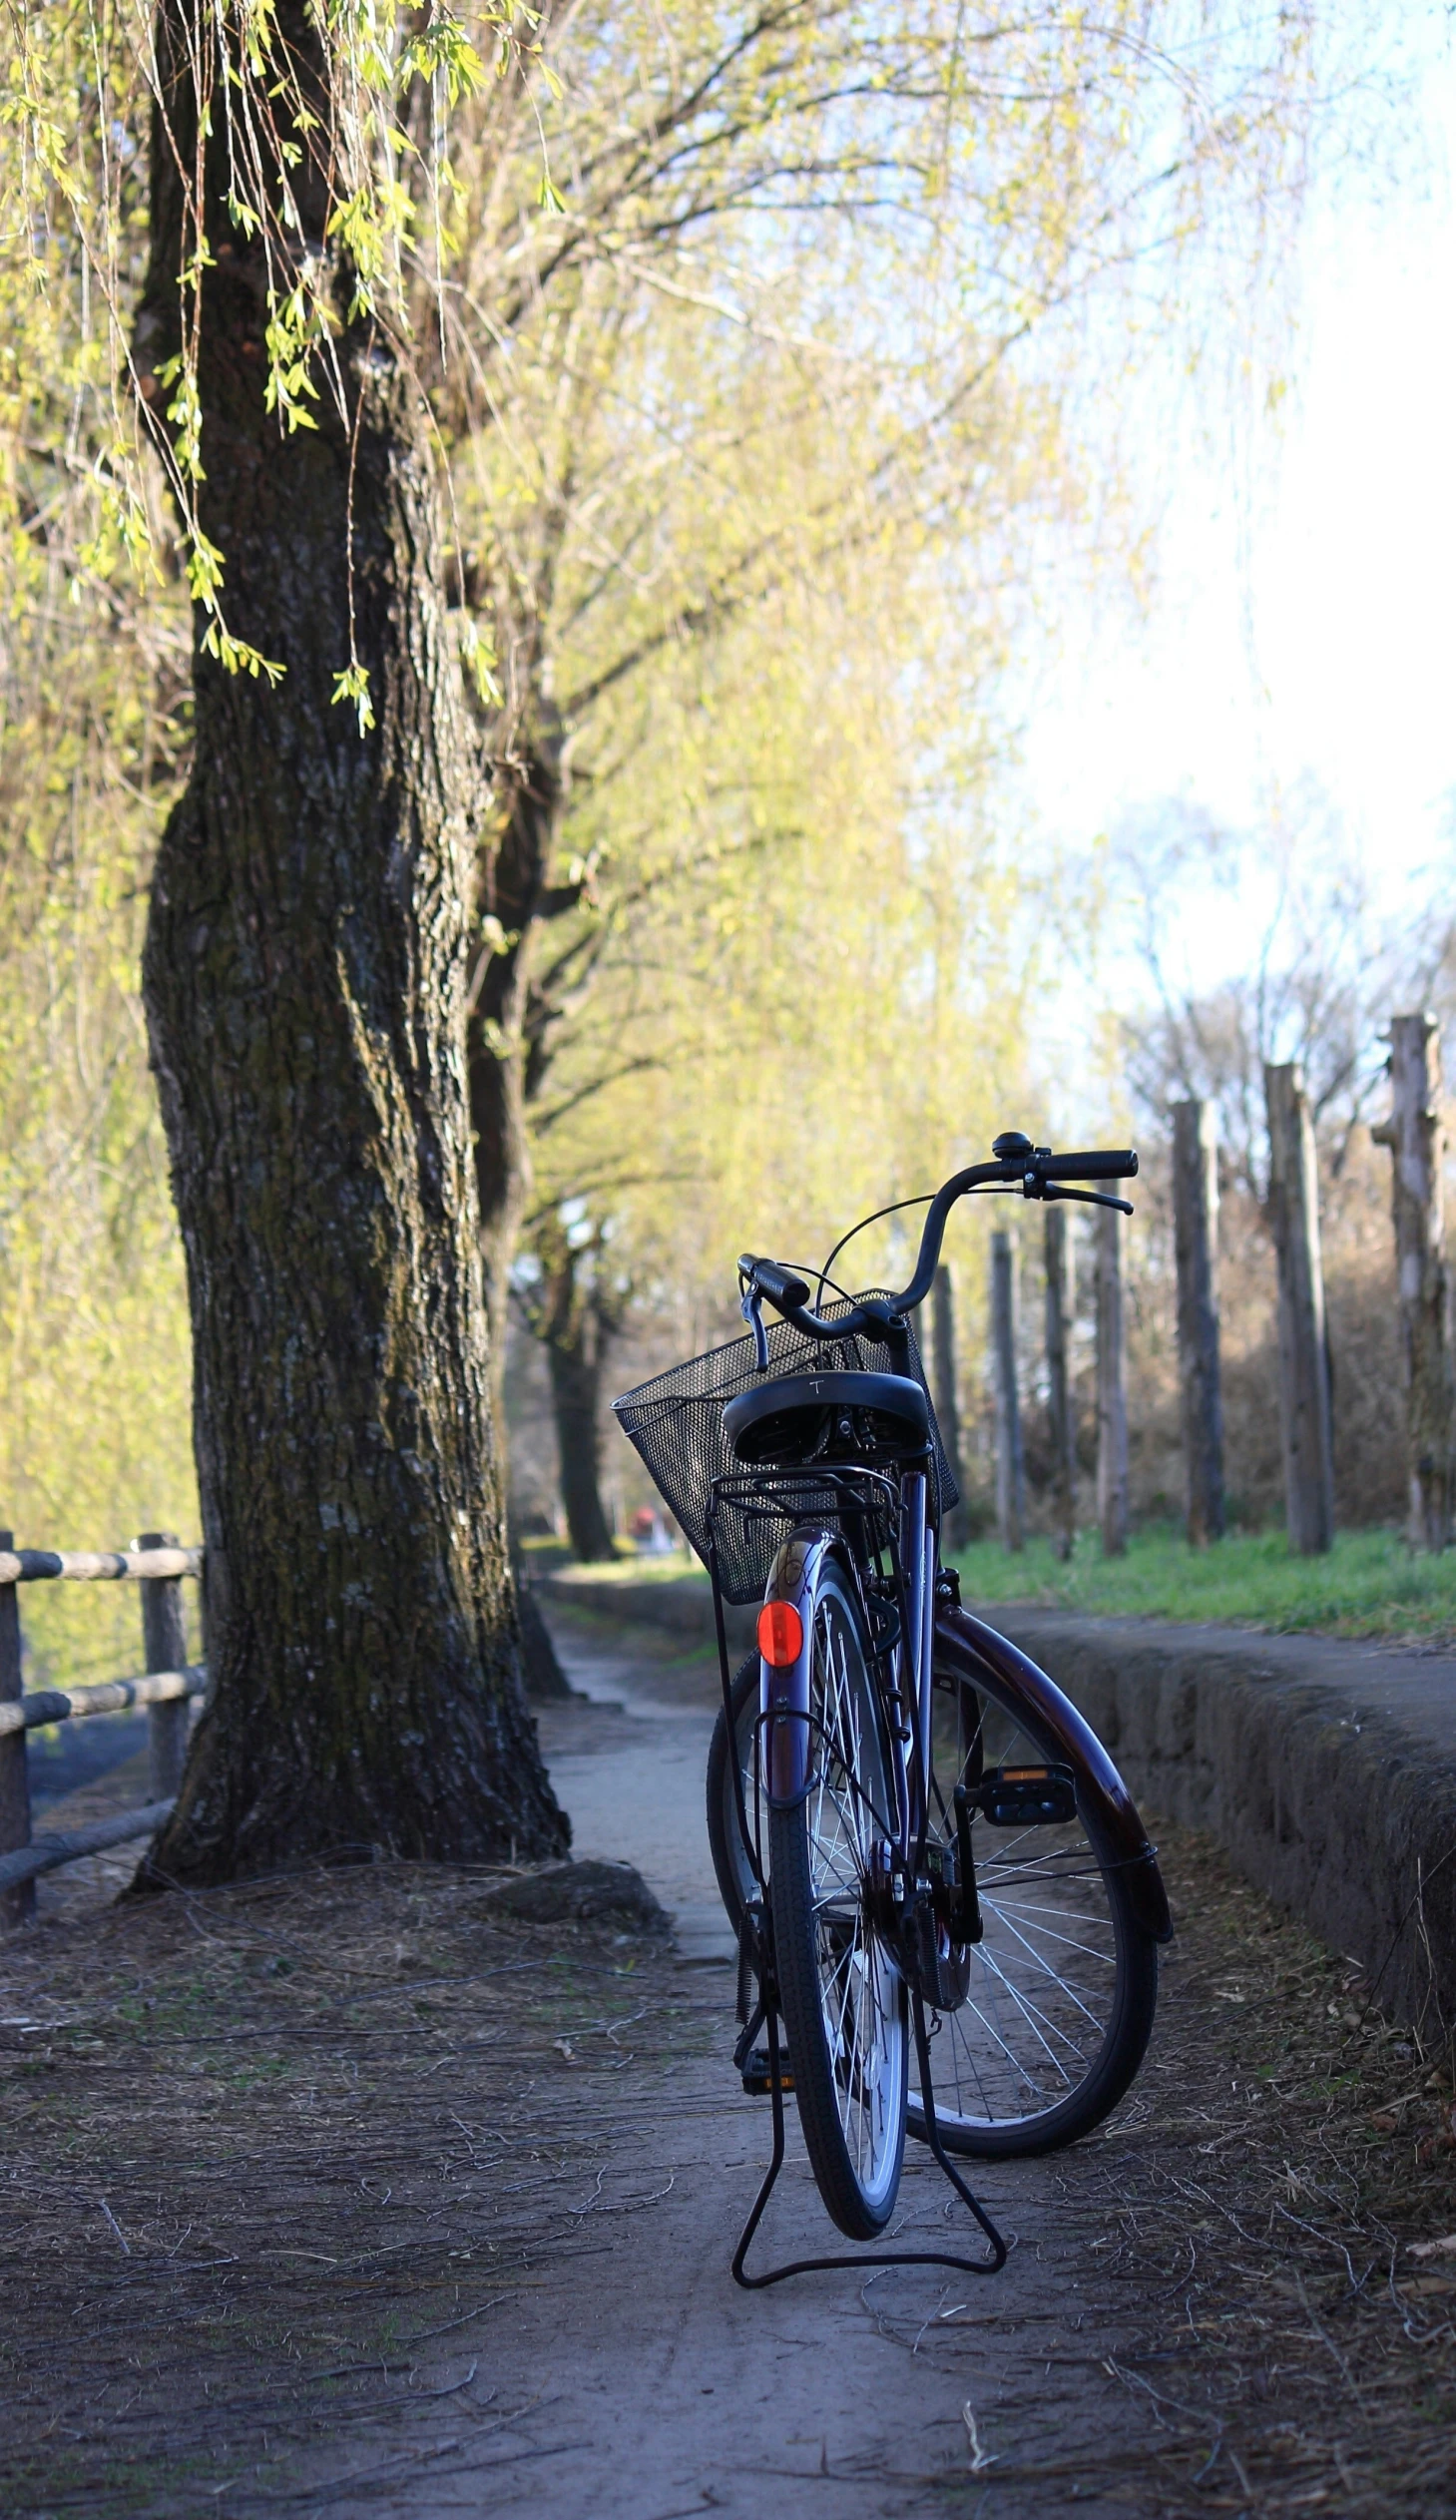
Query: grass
point(1370, 1584)
point(668, 1567)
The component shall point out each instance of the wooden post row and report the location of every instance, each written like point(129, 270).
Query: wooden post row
point(947, 1406)
point(1196, 1244)
point(1057, 1249)
point(163, 1645)
point(1416, 1141)
point(1112, 1386)
point(1010, 1470)
point(17, 1904)
point(1305, 1407)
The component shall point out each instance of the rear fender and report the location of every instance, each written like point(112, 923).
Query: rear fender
point(964, 1648)
point(785, 1687)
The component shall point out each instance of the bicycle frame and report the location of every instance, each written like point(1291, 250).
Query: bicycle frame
point(912, 1894)
point(940, 1636)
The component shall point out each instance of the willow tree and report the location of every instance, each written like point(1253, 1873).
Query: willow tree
point(811, 276)
point(330, 302)
point(819, 285)
point(95, 1440)
point(305, 961)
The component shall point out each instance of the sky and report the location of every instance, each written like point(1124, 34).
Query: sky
point(1302, 629)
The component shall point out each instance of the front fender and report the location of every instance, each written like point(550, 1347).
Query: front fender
point(785, 1687)
point(964, 1648)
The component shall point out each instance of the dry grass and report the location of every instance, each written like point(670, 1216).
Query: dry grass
point(274, 2159)
point(1254, 2291)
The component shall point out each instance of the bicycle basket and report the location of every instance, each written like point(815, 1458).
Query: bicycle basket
point(675, 1422)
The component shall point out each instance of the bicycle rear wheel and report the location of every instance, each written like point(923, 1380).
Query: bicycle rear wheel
point(1063, 1985)
point(730, 1863)
point(842, 1997)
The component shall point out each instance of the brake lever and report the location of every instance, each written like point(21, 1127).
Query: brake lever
point(1087, 1197)
point(751, 1305)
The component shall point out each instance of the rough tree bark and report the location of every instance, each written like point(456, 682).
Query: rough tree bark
point(304, 978)
point(1010, 1469)
point(1304, 1398)
point(1056, 1246)
point(1416, 1141)
point(1195, 1250)
point(1112, 1386)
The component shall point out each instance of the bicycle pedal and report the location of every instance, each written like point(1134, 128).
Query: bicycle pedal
point(758, 2075)
point(1025, 1798)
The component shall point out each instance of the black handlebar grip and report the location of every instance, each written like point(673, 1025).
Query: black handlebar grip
point(780, 1285)
point(1103, 1164)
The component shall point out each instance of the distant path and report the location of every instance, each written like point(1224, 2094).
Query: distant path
point(630, 1767)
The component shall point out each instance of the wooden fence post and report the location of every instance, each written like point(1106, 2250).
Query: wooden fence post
point(1010, 1471)
point(1196, 1242)
point(17, 1904)
point(163, 1646)
point(1112, 1386)
point(1305, 1411)
point(1416, 1141)
point(1057, 1251)
point(947, 1408)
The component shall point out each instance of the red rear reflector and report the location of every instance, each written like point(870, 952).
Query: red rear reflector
point(781, 1633)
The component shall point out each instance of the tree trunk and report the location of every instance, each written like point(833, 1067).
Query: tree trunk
point(544, 1675)
point(1010, 1471)
point(1416, 1141)
point(575, 1323)
point(1057, 1242)
point(514, 893)
point(1305, 1405)
point(576, 1391)
point(957, 1527)
point(1112, 1386)
point(1195, 1242)
point(304, 978)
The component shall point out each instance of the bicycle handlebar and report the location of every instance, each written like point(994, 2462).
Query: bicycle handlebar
point(1016, 1165)
point(1105, 1164)
point(780, 1286)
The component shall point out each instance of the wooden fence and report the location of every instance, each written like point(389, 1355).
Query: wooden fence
point(1416, 1136)
point(157, 1566)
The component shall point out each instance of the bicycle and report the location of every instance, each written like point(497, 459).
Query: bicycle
point(907, 1818)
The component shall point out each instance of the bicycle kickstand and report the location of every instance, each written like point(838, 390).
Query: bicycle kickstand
point(766, 2009)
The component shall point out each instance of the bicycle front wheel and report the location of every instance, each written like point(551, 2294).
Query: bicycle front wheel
point(842, 1997)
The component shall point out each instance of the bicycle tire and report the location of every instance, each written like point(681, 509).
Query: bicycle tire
point(730, 1863)
point(842, 1997)
point(1131, 2014)
point(1064, 1985)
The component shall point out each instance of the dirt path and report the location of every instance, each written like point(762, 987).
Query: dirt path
point(345, 2193)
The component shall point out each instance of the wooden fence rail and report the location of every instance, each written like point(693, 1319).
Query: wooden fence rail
point(157, 1566)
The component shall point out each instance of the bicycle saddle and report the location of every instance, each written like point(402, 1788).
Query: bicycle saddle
point(799, 1417)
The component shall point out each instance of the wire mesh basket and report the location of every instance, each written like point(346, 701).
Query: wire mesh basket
point(675, 1422)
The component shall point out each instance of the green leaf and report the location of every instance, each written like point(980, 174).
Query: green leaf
point(354, 684)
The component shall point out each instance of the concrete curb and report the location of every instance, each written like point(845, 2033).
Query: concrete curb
point(1327, 1770)
point(681, 1603)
